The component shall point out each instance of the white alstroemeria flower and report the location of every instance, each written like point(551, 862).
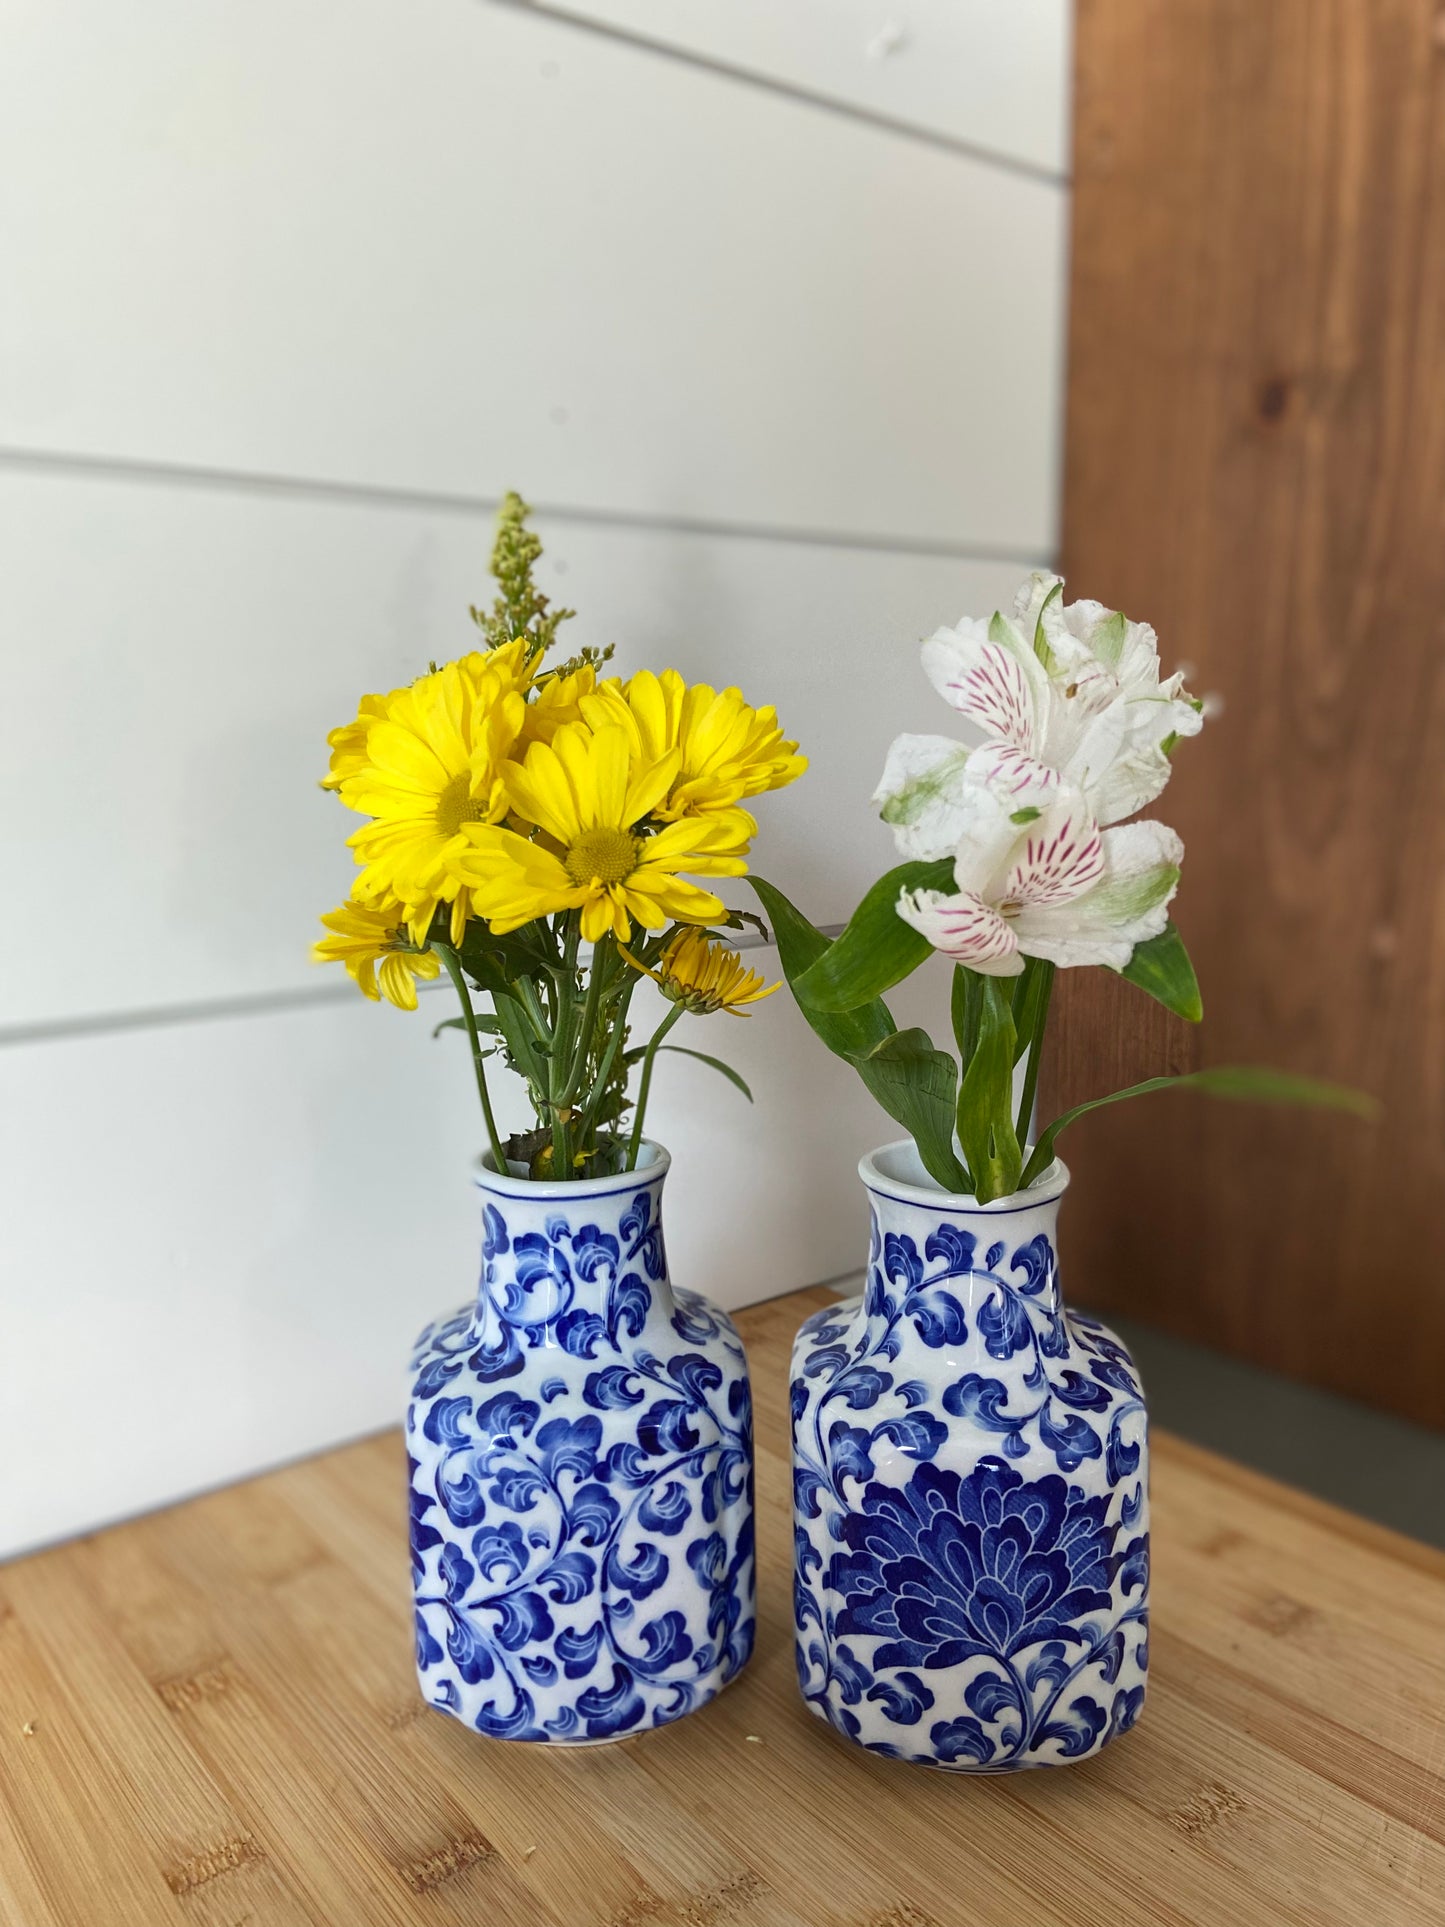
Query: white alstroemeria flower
point(1037, 877)
point(1074, 687)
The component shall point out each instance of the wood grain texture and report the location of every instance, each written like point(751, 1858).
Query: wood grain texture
point(1256, 462)
point(210, 1715)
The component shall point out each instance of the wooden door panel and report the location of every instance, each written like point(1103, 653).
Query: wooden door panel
point(1256, 464)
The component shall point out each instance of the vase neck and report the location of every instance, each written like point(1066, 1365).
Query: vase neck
point(579, 1267)
point(952, 1276)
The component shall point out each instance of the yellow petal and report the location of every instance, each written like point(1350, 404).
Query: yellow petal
point(649, 786)
point(608, 761)
point(657, 898)
point(397, 982)
point(599, 915)
point(540, 792)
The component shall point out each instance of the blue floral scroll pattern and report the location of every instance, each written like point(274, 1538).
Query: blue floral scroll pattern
point(581, 1486)
point(971, 1545)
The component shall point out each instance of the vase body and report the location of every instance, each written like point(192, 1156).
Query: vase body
point(970, 1469)
point(580, 1456)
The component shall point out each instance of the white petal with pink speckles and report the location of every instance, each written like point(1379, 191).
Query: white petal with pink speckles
point(990, 675)
point(1128, 905)
point(1057, 859)
point(965, 928)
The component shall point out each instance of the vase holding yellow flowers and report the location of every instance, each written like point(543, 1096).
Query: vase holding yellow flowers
point(580, 1435)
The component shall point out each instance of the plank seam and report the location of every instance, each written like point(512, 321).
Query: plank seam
point(961, 149)
point(143, 470)
point(258, 1003)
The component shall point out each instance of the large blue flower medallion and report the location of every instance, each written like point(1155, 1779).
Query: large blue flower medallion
point(971, 1495)
point(581, 1476)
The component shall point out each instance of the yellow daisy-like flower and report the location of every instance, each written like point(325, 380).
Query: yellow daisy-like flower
point(368, 935)
point(432, 765)
point(726, 749)
point(586, 795)
point(704, 976)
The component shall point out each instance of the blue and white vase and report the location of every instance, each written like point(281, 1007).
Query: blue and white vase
point(581, 1468)
point(970, 1466)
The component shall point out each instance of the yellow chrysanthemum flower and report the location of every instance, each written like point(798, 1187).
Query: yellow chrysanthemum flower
point(432, 765)
point(704, 976)
point(368, 935)
point(726, 749)
point(586, 794)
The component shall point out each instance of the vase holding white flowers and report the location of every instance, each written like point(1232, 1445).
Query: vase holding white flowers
point(970, 1458)
point(580, 1434)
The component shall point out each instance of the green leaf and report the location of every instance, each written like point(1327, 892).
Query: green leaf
point(739, 920)
point(460, 1023)
point(913, 1082)
point(1244, 1083)
point(916, 1084)
point(965, 1004)
point(848, 1034)
point(1258, 1084)
point(878, 949)
point(1030, 1001)
point(985, 1098)
point(716, 1062)
point(1162, 968)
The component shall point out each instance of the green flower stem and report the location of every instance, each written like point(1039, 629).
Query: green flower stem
point(627, 983)
point(1036, 1041)
point(469, 1017)
point(596, 978)
point(531, 1003)
point(635, 1143)
point(559, 1069)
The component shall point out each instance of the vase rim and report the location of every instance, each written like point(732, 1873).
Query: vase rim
point(894, 1170)
point(654, 1160)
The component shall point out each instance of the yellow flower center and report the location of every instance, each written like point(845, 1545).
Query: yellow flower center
point(603, 856)
point(456, 805)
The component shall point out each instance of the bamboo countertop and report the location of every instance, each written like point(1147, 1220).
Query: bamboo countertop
point(209, 1715)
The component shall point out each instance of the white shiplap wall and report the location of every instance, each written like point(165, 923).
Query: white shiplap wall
point(770, 330)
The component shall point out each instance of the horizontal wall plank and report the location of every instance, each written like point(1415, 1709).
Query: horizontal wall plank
point(446, 247)
point(180, 654)
point(989, 73)
point(221, 1239)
